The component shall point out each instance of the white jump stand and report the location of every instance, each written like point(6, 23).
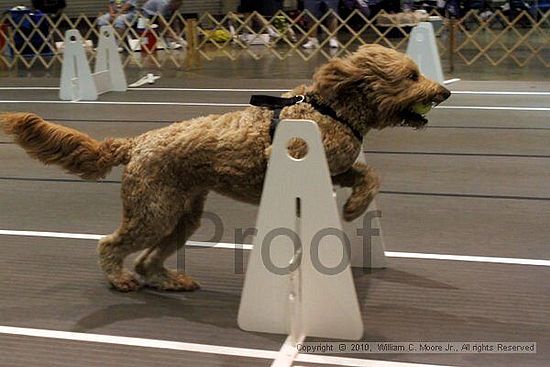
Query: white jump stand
point(422, 48)
point(77, 80)
point(299, 281)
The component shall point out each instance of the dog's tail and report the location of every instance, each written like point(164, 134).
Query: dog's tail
point(76, 152)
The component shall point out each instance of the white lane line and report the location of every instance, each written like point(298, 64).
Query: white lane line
point(494, 108)
point(202, 104)
point(168, 89)
point(233, 246)
point(37, 88)
point(230, 246)
point(467, 258)
point(199, 348)
point(503, 93)
point(199, 104)
point(451, 81)
point(78, 236)
point(250, 90)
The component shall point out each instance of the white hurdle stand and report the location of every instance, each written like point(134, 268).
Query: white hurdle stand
point(77, 80)
point(422, 48)
point(299, 281)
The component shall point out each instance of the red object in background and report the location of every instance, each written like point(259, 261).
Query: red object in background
point(148, 41)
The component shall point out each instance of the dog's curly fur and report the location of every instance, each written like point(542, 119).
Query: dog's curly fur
point(170, 171)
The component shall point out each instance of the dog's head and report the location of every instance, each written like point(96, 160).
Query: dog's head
point(377, 87)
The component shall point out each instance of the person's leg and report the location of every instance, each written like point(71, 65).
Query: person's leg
point(121, 23)
point(314, 7)
point(332, 22)
point(105, 19)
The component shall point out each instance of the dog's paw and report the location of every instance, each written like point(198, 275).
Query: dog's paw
point(124, 282)
point(356, 206)
point(172, 280)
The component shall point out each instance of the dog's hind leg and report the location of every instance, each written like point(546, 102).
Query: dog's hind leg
point(148, 219)
point(150, 264)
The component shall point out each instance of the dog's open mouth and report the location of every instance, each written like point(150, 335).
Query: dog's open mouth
point(413, 119)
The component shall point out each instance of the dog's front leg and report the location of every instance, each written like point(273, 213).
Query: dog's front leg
point(364, 182)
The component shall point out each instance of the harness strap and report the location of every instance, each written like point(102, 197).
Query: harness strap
point(276, 104)
point(273, 102)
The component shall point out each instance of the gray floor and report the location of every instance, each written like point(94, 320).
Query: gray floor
point(270, 66)
point(474, 183)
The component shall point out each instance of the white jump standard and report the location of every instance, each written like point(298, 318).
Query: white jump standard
point(77, 80)
point(298, 281)
point(422, 48)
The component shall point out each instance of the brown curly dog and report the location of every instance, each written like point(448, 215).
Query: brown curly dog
point(170, 171)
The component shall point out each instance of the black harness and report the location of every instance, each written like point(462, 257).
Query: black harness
point(276, 104)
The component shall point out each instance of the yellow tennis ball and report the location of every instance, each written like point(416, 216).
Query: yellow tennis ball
point(421, 108)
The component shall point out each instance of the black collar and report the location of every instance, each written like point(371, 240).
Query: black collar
point(278, 103)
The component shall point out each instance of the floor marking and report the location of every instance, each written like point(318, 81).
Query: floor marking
point(478, 127)
point(232, 246)
point(203, 104)
point(494, 108)
point(382, 192)
point(154, 89)
point(466, 258)
point(199, 348)
point(199, 104)
point(78, 236)
point(451, 81)
point(457, 154)
point(37, 88)
point(253, 90)
point(498, 93)
point(168, 89)
point(465, 195)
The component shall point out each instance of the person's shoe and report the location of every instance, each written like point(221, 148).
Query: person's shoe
point(292, 36)
point(311, 43)
point(333, 43)
point(272, 32)
point(173, 45)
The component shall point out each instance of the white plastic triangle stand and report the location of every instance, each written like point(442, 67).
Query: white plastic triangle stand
point(365, 233)
point(76, 76)
point(109, 74)
point(422, 48)
point(77, 81)
point(298, 279)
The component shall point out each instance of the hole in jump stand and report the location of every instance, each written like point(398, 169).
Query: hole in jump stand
point(297, 148)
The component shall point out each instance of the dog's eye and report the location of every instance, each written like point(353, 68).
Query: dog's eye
point(413, 76)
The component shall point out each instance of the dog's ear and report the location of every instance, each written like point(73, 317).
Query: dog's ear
point(336, 76)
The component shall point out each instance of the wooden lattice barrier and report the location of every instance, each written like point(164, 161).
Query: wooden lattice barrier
point(37, 41)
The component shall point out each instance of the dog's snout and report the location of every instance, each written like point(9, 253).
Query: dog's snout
point(442, 95)
point(445, 93)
